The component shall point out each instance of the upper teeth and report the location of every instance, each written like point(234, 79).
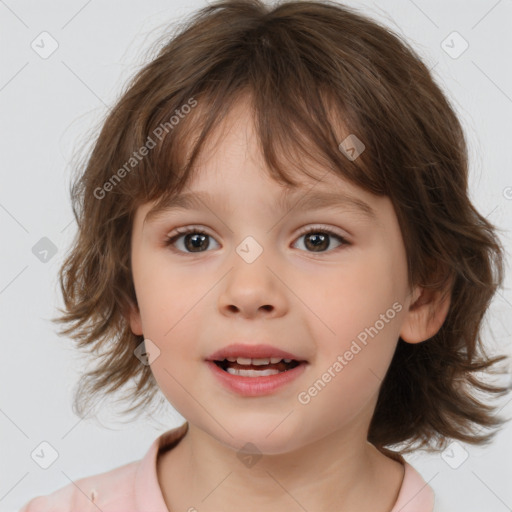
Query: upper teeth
point(268, 360)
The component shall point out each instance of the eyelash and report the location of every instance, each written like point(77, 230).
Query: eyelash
point(171, 239)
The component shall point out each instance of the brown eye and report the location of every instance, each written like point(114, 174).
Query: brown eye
point(319, 239)
point(194, 240)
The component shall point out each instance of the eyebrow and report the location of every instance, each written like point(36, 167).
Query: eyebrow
point(287, 201)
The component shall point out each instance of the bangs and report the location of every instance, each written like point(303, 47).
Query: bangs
point(301, 127)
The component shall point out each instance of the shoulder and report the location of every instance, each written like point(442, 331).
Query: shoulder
point(108, 491)
point(415, 494)
point(128, 488)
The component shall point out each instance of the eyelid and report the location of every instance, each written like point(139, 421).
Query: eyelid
point(306, 229)
point(185, 230)
point(322, 227)
point(177, 233)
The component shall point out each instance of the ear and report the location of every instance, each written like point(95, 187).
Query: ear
point(135, 320)
point(427, 313)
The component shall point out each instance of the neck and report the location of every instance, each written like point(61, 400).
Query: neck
point(201, 473)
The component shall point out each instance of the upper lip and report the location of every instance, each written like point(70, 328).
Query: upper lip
point(252, 352)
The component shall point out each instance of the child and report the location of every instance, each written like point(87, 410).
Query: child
point(334, 308)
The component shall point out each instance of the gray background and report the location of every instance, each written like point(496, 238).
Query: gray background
point(49, 104)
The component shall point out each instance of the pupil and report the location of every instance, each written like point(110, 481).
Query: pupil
point(195, 240)
point(320, 243)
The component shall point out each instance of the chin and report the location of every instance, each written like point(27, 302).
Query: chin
point(259, 436)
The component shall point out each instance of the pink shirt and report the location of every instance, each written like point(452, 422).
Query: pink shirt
point(134, 487)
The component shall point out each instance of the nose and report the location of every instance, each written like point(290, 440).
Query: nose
point(252, 290)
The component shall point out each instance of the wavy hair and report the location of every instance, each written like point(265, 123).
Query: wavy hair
point(305, 66)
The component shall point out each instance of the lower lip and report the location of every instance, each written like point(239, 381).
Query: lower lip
point(256, 386)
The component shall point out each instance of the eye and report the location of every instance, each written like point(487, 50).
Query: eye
point(195, 240)
point(318, 239)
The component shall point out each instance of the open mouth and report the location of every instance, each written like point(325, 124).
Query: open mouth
point(256, 367)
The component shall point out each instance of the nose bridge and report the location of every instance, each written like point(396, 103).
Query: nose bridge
point(251, 285)
point(250, 262)
point(251, 250)
point(254, 236)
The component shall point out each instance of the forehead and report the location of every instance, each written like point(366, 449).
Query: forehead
point(231, 164)
point(233, 147)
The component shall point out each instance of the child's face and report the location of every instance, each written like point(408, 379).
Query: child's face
point(314, 304)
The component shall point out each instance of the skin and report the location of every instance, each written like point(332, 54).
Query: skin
point(313, 304)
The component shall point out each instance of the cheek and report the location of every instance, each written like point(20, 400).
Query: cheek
point(172, 304)
point(350, 371)
point(361, 316)
point(352, 297)
point(167, 295)
point(370, 327)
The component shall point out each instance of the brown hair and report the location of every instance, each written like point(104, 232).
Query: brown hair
point(305, 66)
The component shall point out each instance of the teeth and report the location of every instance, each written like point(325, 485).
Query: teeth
point(257, 362)
point(252, 373)
point(272, 360)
